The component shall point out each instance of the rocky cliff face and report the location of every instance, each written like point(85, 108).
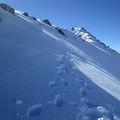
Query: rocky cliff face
point(7, 8)
point(83, 33)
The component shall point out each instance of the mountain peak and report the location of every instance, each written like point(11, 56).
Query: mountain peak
point(83, 33)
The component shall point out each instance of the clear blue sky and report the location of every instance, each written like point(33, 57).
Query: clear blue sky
point(100, 17)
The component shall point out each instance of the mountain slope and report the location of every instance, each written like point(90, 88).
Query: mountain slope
point(48, 75)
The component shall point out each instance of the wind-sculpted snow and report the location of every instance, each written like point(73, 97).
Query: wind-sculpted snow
point(48, 76)
point(106, 81)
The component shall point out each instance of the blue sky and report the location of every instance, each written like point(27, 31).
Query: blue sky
point(100, 17)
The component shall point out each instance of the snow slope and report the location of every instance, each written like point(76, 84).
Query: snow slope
point(48, 76)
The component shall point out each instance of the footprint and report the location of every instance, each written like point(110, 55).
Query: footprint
point(81, 116)
point(83, 91)
point(99, 112)
point(65, 82)
point(35, 110)
point(116, 117)
point(85, 118)
point(104, 118)
point(86, 85)
point(19, 102)
point(53, 84)
point(59, 73)
point(59, 102)
point(19, 115)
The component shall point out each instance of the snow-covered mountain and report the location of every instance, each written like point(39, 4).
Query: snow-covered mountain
point(50, 73)
point(83, 33)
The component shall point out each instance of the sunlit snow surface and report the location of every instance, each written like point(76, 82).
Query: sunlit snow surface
point(47, 76)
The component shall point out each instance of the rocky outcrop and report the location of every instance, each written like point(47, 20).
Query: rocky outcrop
point(34, 18)
point(60, 31)
point(47, 22)
point(7, 8)
point(25, 14)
